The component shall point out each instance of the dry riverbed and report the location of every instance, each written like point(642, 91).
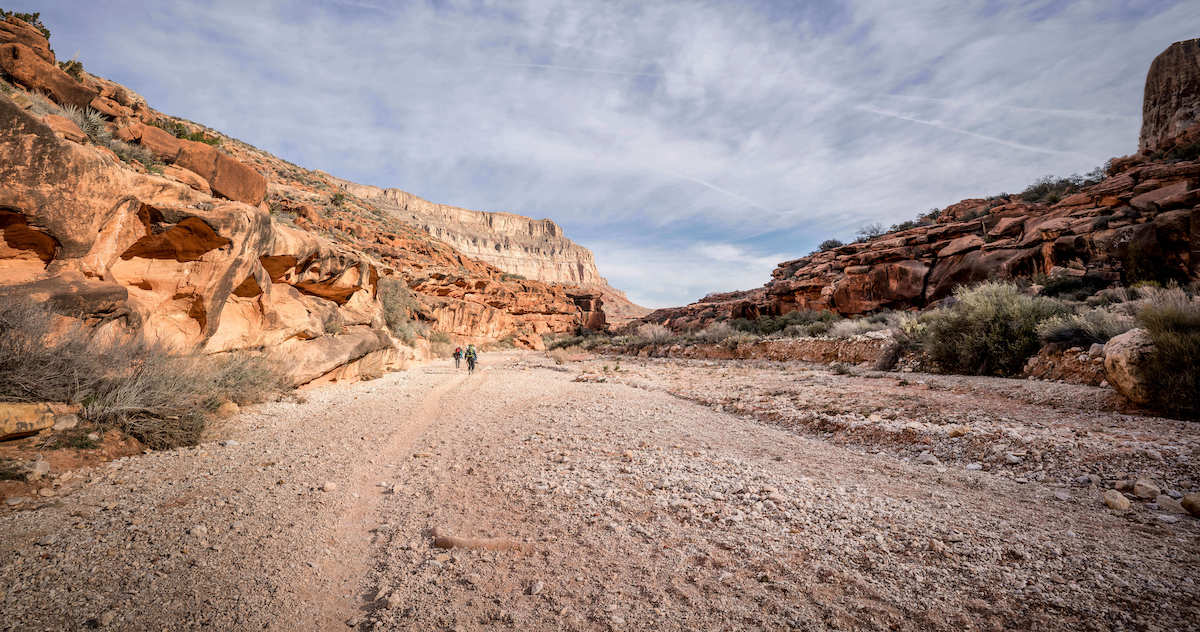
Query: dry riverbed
point(672, 495)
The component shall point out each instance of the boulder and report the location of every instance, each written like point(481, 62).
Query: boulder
point(1116, 500)
point(1191, 502)
point(65, 128)
point(961, 244)
point(227, 177)
point(187, 177)
point(1152, 200)
point(17, 31)
point(19, 419)
point(28, 69)
point(1125, 358)
point(110, 108)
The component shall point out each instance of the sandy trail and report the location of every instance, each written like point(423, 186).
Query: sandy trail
point(584, 506)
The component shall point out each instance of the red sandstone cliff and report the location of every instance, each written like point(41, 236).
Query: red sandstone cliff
point(1140, 222)
point(143, 224)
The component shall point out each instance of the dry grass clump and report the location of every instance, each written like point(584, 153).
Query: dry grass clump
point(990, 330)
point(399, 304)
point(157, 397)
point(1172, 319)
point(559, 355)
point(1094, 326)
point(654, 332)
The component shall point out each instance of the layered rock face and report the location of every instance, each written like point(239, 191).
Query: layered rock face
point(533, 248)
point(1140, 223)
point(1172, 99)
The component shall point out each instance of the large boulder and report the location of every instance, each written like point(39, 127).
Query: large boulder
point(227, 177)
point(27, 68)
point(1125, 358)
point(1171, 103)
point(17, 31)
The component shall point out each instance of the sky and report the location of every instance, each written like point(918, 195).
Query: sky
point(690, 145)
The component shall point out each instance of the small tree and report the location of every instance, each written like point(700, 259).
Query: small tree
point(830, 244)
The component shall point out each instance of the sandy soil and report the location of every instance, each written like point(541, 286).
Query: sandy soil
point(674, 495)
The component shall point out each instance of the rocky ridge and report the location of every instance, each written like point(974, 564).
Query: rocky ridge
point(1140, 222)
point(532, 248)
point(197, 241)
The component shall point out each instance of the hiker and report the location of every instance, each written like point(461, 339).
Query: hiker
point(458, 354)
point(472, 355)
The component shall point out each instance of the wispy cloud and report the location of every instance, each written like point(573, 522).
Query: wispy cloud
point(653, 130)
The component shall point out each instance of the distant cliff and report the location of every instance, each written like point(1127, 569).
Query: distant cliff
point(533, 248)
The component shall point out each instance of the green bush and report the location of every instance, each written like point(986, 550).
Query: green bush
point(399, 305)
point(796, 323)
point(830, 244)
point(1094, 326)
point(1172, 319)
point(179, 130)
point(990, 330)
point(72, 67)
point(1071, 287)
point(158, 397)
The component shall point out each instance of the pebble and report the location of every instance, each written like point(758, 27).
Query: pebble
point(106, 618)
point(230, 443)
point(536, 587)
point(329, 486)
point(1062, 494)
point(198, 530)
point(927, 458)
point(974, 467)
point(15, 500)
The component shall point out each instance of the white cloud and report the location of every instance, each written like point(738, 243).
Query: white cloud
point(651, 129)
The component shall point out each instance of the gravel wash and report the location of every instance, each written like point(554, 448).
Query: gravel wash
point(519, 499)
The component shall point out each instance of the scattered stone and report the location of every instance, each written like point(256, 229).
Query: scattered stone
point(198, 530)
point(927, 458)
point(536, 587)
point(329, 486)
point(230, 443)
point(106, 618)
point(1062, 494)
point(1145, 489)
point(1191, 502)
point(974, 467)
point(1116, 500)
point(15, 500)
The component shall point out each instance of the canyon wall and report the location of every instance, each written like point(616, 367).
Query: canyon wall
point(1140, 222)
point(533, 248)
point(150, 227)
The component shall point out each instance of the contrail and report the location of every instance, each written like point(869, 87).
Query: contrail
point(1084, 114)
point(943, 126)
point(709, 185)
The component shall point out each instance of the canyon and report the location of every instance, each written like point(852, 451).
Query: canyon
point(151, 227)
point(1138, 221)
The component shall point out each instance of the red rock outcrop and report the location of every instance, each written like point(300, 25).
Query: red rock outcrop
point(23, 65)
point(1141, 222)
point(13, 30)
point(1171, 103)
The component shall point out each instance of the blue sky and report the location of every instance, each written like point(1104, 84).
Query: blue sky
point(690, 145)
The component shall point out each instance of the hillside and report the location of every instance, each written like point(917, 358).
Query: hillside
point(1138, 221)
point(145, 225)
point(533, 248)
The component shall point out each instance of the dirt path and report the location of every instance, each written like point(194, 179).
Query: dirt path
point(578, 506)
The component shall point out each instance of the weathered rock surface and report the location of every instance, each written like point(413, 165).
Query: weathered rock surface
point(1125, 358)
point(1172, 97)
point(17, 31)
point(25, 66)
point(535, 249)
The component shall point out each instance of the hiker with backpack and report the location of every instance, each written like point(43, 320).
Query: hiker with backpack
point(472, 355)
point(458, 354)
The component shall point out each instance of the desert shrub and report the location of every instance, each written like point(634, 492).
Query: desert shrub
point(332, 322)
point(799, 322)
point(991, 330)
point(158, 397)
point(41, 105)
point(135, 153)
point(1070, 287)
point(6, 87)
point(90, 122)
point(870, 231)
point(398, 306)
point(849, 327)
point(715, 332)
point(1190, 151)
point(338, 199)
point(559, 355)
point(33, 19)
point(72, 67)
point(1094, 326)
point(830, 244)
point(179, 130)
point(509, 276)
point(1172, 319)
point(654, 332)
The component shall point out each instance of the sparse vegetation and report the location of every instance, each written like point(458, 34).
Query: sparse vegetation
point(1051, 190)
point(1172, 319)
point(72, 67)
point(870, 231)
point(34, 20)
point(795, 323)
point(338, 199)
point(509, 276)
point(654, 332)
point(399, 305)
point(159, 398)
point(830, 244)
point(1093, 326)
point(179, 130)
point(990, 330)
